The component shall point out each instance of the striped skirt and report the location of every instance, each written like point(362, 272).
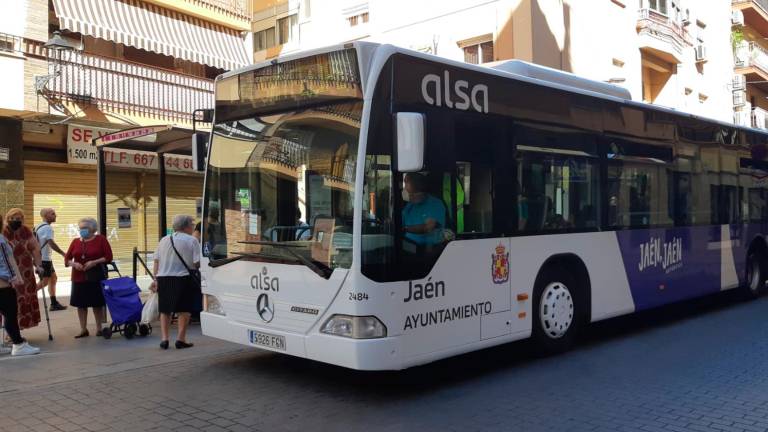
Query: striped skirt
point(179, 294)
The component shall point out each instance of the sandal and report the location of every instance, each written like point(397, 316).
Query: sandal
point(83, 334)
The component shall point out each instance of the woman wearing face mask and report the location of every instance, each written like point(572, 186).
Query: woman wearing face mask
point(26, 253)
point(87, 256)
point(9, 280)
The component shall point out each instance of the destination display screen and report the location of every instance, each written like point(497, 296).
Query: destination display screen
point(318, 79)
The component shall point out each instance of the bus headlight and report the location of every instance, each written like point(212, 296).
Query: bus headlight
point(213, 305)
point(355, 327)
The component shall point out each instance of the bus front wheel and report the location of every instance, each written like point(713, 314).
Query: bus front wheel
point(556, 308)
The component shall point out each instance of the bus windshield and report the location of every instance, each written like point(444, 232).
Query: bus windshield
point(280, 180)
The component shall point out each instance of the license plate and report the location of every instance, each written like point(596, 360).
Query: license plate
point(266, 339)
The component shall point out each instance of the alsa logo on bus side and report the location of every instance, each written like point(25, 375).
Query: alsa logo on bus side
point(668, 255)
point(442, 92)
point(263, 282)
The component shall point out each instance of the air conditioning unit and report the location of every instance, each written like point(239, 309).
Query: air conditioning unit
point(739, 98)
point(742, 118)
point(739, 82)
point(737, 18)
point(701, 53)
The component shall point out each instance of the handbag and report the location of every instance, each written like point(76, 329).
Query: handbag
point(193, 273)
point(16, 280)
point(97, 273)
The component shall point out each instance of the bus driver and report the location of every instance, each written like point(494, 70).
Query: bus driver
point(424, 215)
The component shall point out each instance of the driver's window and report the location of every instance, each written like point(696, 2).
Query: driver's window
point(425, 216)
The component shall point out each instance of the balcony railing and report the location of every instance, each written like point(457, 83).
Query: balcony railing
point(238, 8)
point(125, 87)
point(660, 26)
point(750, 54)
point(762, 4)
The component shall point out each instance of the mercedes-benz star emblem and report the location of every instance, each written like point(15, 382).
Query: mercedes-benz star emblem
point(265, 308)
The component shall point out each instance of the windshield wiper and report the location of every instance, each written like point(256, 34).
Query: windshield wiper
point(228, 260)
point(323, 272)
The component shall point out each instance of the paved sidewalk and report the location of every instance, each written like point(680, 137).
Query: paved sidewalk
point(66, 358)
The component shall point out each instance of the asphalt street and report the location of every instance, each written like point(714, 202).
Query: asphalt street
point(699, 366)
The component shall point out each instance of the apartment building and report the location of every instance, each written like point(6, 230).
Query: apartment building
point(675, 53)
point(750, 82)
point(74, 69)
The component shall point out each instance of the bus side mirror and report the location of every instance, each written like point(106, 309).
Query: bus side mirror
point(410, 142)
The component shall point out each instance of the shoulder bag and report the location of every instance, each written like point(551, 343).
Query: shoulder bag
point(96, 273)
point(193, 273)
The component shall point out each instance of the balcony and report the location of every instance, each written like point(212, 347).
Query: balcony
point(751, 60)
point(126, 88)
point(755, 14)
point(665, 37)
point(237, 8)
point(234, 14)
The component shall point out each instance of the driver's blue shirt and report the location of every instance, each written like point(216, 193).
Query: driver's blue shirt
point(418, 213)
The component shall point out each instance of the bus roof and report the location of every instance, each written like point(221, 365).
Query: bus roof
point(371, 50)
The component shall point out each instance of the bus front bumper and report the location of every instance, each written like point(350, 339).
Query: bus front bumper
point(360, 354)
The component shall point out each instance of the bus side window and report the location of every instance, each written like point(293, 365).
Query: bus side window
point(556, 192)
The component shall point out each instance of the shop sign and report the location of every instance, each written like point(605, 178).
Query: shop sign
point(80, 150)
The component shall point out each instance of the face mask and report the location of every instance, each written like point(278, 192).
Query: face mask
point(84, 232)
point(14, 225)
point(406, 195)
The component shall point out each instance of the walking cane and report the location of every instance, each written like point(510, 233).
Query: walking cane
point(45, 308)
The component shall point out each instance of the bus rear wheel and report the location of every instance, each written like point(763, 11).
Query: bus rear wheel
point(556, 317)
point(755, 285)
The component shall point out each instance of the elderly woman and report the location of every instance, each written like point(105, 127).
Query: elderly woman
point(26, 252)
point(87, 256)
point(9, 276)
point(177, 284)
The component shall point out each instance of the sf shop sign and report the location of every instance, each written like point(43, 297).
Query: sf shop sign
point(80, 150)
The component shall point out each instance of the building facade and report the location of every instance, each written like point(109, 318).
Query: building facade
point(673, 53)
point(77, 69)
point(750, 82)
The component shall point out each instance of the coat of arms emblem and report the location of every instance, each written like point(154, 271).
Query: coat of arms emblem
point(500, 265)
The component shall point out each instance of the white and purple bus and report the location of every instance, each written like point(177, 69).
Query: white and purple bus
point(378, 208)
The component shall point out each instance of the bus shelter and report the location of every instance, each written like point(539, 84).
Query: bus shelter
point(163, 141)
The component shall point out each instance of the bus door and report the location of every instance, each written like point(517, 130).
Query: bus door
point(454, 229)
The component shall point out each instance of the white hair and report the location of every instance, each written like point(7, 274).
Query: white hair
point(182, 221)
point(90, 222)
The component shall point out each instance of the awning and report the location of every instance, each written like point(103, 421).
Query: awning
point(157, 139)
point(153, 28)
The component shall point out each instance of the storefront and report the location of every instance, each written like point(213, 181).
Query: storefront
point(132, 194)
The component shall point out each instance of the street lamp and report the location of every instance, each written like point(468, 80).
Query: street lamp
point(56, 45)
